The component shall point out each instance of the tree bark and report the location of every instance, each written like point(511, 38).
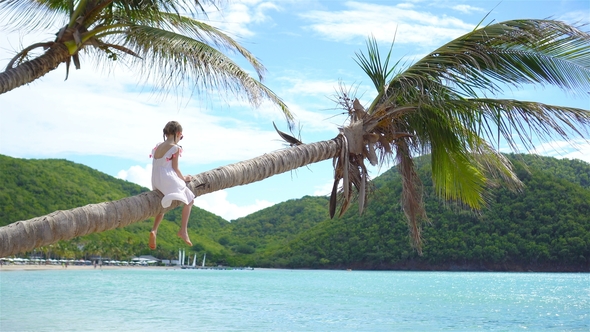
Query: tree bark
point(29, 71)
point(22, 236)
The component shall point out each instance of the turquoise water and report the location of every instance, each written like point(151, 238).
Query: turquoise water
point(286, 300)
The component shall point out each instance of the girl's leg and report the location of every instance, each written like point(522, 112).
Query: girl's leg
point(183, 232)
point(154, 231)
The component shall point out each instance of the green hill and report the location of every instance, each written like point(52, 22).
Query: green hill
point(264, 232)
point(32, 188)
point(545, 227)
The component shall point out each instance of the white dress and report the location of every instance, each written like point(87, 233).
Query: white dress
point(165, 179)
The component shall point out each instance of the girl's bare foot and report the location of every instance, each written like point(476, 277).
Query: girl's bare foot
point(184, 236)
point(153, 240)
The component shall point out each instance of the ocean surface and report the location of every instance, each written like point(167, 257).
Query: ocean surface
point(144, 299)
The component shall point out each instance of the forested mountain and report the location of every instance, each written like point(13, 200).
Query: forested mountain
point(545, 227)
point(31, 188)
point(267, 231)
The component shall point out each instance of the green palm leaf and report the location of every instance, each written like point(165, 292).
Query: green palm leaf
point(171, 50)
point(209, 34)
point(442, 103)
point(521, 122)
point(176, 58)
point(513, 53)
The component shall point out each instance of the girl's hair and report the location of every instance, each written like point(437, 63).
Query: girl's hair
point(172, 128)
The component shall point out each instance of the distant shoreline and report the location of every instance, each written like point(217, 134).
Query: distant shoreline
point(50, 267)
point(53, 267)
point(24, 267)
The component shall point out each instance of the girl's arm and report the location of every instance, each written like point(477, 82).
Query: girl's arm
point(176, 169)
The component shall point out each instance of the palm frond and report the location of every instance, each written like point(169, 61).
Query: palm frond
point(371, 63)
point(521, 122)
point(435, 107)
point(514, 53)
point(378, 71)
point(154, 7)
point(27, 15)
point(175, 61)
point(454, 174)
point(170, 47)
point(448, 123)
point(497, 168)
point(206, 33)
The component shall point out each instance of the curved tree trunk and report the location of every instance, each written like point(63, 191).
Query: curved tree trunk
point(29, 71)
point(26, 235)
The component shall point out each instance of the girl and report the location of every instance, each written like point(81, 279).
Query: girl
point(167, 178)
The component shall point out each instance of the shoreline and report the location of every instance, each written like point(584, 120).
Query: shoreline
point(24, 267)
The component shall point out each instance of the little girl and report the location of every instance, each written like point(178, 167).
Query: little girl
point(167, 178)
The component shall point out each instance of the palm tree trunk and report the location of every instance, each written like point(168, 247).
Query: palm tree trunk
point(26, 235)
point(29, 71)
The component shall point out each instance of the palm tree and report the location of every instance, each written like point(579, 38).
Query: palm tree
point(168, 49)
point(434, 106)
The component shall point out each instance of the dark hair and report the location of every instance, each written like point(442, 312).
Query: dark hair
point(171, 128)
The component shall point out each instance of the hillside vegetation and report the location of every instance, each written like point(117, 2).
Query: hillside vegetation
point(546, 227)
point(32, 188)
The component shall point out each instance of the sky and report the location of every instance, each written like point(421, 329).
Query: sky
point(104, 119)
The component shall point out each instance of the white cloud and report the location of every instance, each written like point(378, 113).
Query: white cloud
point(467, 9)
point(236, 18)
point(137, 174)
point(311, 122)
point(405, 5)
point(382, 21)
point(218, 203)
point(325, 189)
point(310, 87)
point(578, 154)
point(312, 114)
point(95, 115)
point(577, 149)
point(576, 17)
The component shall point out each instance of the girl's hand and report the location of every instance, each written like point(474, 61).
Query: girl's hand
point(188, 178)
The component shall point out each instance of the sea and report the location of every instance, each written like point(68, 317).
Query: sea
point(158, 299)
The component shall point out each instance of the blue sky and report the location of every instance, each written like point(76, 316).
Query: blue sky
point(105, 120)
